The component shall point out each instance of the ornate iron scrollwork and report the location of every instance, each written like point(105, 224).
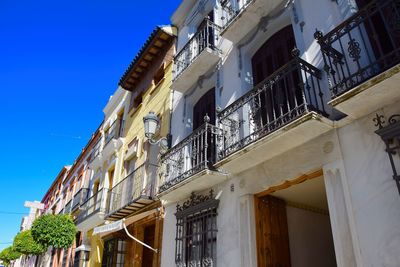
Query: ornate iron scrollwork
point(354, 50)
point(389, 131)
point(195, 200)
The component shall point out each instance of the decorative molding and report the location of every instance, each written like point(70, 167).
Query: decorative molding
point(289, 183)
point(195, 200)
point(262, 26)
point(307, 207)
point(197, 203)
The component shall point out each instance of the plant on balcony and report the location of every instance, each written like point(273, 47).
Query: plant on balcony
point(9, 254)
point(24, 243)
point(57, 231)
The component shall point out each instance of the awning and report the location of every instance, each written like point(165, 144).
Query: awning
point(115, 227)
point(119, 225)
point(83, 247)
point(111, 227)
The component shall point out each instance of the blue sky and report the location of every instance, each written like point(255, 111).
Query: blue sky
point(59, 63)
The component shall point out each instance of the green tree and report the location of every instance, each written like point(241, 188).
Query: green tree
point(57, 231)
point(9, 254)
point(24, 243)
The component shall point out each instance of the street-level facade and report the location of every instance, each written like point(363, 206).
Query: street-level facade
point(275, 159)
point(125, 164)
point(282, 125)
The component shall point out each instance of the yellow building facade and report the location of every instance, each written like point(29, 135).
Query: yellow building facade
point(127, 166)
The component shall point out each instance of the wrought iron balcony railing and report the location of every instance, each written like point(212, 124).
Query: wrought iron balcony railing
point(231, 10)
point(95, 204)
point(114, 132)
point(206, 36)
point(363, 46)
point(141, 183)
point(67, 208)
point(79, 198)
point(192, 155)
point(284, 96)
point(96, 150)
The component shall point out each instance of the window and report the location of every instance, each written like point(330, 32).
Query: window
point(159, 75)
point(65, 258)
point(196, 229)
point(77, 256)
point(53, 256)
point(136, 100)
point(77, 259)
point(114, 253)
point(129, 166)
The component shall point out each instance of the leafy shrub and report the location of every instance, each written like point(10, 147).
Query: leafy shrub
point(57, 231)
point(24, 243)
point(9, 254)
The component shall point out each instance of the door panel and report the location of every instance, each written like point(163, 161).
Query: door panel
point(272, 232)
point(149, 238)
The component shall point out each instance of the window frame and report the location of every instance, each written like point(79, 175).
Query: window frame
point(196, 231)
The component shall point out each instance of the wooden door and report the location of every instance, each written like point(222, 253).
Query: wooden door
point(285, 94)
point(149, 238)
point(272, 232)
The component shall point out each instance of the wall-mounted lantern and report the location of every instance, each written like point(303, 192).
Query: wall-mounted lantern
point(151, 126)
point(390, 133)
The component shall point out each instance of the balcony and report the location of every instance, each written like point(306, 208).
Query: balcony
point(361, 57)
point(282, 112)
point(112, 138)
point(133, 193)
point(67, 208)
point(241, 17)
point(96, 159)
point(79, 198)
point(188, 166)
point(92, 211)
point(197, 56)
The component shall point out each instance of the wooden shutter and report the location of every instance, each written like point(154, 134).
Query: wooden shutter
point(205, 106)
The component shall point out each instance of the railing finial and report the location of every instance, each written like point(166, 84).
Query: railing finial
point(206, 118)
point(318, 34)
point(295, 52)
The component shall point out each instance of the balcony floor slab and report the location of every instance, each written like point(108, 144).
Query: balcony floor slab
point(91, 221)
point(292, 135)
point(200, 181)
point(200, 65)
point(377, 92)
point(131, 208)
point(249, 18)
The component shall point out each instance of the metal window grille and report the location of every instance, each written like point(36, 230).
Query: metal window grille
point(114, 253)
point(196, 232)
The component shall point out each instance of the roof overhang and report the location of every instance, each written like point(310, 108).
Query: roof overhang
point(159, 40)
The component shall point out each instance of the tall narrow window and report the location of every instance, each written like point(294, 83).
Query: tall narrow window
point(196, 229)
point(159, 75)
point(114, 253)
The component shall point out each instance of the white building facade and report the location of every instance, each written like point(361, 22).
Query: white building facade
point(283, 116)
